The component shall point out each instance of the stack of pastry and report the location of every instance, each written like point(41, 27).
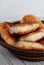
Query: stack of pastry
point(30, 31)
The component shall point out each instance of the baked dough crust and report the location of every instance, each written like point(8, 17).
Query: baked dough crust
point(23, 28)
point(32, 18)
point(6, 36)
point(26, 45)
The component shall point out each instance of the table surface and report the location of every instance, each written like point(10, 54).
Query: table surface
point(6, 58)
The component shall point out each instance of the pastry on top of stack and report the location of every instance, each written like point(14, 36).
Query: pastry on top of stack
point(32, 18)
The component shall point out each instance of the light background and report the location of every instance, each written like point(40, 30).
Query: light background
point(15, 9)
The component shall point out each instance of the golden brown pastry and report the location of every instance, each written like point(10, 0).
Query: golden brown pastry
point(34, 36)
point(23, 28)
point(26, 42)
point(29, 45)
point(6, 35)
point(32, 18)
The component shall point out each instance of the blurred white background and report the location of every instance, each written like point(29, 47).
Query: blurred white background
point(12, 10)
